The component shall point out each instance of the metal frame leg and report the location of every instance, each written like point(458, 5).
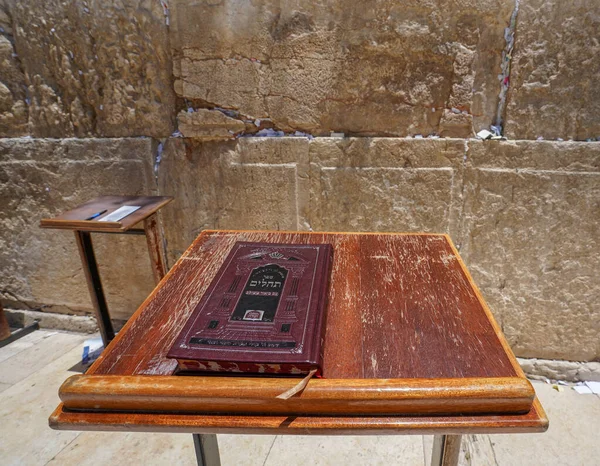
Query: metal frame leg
point(92, 277)
point(207, 449)
point(446, 450)
point(155, 248)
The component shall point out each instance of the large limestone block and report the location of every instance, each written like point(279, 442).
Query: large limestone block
point(250, 183)
point(531, 238)
point(42, 178)
point(208, 125)
point(363, 68)
point(385, 184)
point(99, 68)
point(13, 105)
point(555, 72)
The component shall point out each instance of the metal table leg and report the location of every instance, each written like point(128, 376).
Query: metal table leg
point(446, 450)
point(207, 449)
point(92, 277)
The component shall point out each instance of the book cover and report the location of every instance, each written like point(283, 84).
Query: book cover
point(262, 313)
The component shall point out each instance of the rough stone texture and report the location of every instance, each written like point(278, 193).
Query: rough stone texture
point(375, 68)
point(525, 215)
point(352, 185)
point(40, 269)
point(208, 125)
point(385, 184)
point(51, 320)
point(251, 183)
point(555, 71)
point(571, 371)
point(13, 107)
point(531, 238)
point(96, 68)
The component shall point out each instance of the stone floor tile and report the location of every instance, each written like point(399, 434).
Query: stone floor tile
point(24, 409)
point(4, 386)
point(364, 450)
point(568, 441)
point(572, 437)
point(249, 450)
point(104, 448)
point(23, 343)
point(99, 448)
point(30, 360)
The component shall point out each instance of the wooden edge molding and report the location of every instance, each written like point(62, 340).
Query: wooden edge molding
point(532, 422)
point(324, 397)
point(309, 233)
point(75, 224)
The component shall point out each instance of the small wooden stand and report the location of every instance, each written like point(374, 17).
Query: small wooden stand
point(410, 348)
point(76, 220)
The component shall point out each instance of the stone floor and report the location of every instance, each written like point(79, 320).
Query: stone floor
point(32, 369)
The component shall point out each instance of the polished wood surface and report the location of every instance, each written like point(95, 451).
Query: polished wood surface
point(401, 306)
point(534, 421)
point(75, 219)
point(329, 397)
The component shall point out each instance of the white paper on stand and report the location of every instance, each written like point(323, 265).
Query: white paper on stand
point(120, 213)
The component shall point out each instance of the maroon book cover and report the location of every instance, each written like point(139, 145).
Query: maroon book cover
point(262, 313)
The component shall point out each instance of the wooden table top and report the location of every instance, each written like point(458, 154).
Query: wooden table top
point(75, 219)
point(399, 306)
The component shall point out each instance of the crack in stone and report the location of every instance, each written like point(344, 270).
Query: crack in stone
point(509, 37)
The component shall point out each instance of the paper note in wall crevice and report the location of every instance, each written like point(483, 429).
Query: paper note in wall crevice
point(120, 213)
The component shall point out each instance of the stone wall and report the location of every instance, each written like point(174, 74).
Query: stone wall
point(118, 83)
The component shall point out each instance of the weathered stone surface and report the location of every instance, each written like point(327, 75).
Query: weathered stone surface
point(531, 239)
point(209, 125)
point(97, 68)
point(13, 107)
point(375, 68)
point(52, 320)
point(555, 71)
point(250, 183)
point(385, 184)
point(40, 268)
point(571, 371)
point(524, 213)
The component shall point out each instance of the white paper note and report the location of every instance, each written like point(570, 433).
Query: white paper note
point(594, 387)
point(120, 213)
point(583, 390)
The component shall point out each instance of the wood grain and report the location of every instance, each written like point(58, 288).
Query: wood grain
point(155, 247)
point(257, 395)
point(75, 219)
point(534, 421)
point(400, 306)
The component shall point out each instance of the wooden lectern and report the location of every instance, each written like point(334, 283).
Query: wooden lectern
point(410, 348)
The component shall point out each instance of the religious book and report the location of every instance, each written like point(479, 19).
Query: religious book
point(263, 313)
